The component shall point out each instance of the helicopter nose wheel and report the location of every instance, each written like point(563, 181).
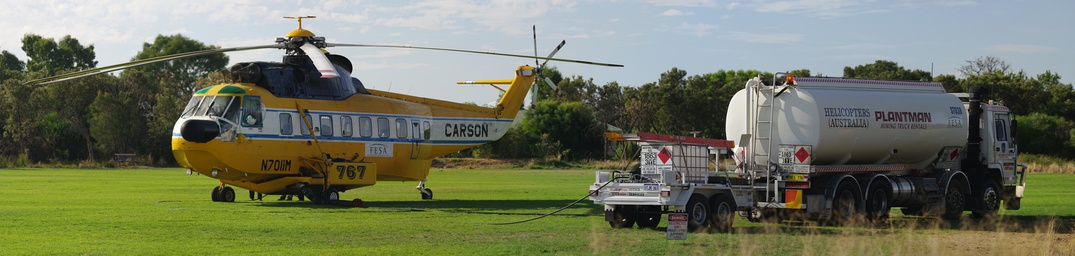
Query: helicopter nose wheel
point(427, 194)
point(223, 194)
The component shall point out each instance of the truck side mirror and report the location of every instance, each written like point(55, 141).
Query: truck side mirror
point(1015, 129)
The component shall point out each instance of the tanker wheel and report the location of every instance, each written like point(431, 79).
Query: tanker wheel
point(954, 201)
point(877, 203)
point(227, 194)
point(697, 213)
point(845, 204)
point(989, 200)
point(216, 194)
point(649, 216)
point(623, 216)
point(723, 213)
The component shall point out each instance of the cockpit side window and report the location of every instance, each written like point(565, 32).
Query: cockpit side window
point(252, 111)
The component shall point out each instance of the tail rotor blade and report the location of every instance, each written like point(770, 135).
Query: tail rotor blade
point(553, 85)
point(562, 42)
point(320, 61)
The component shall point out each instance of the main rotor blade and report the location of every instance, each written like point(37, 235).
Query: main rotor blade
point(320, 61)
point(562, 42)
point(121, 66)
point(470, 51)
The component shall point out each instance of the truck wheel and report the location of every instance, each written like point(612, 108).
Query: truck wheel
point(989, 200)
point(954, 201)
point(877, 203)
point(649, 216)
point(624, 216)
point(845, 204)
point(697, 213)
point(723, 213)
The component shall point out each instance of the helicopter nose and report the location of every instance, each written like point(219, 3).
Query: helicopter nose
point(199, 131)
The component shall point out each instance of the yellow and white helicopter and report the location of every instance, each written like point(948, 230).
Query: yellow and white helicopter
point(304, 125)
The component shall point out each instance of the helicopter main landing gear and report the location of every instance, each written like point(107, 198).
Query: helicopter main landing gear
point(223, 194)
point(427, 194)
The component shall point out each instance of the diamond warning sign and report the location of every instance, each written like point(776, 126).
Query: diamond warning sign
point(665, 155)
point(802, 155)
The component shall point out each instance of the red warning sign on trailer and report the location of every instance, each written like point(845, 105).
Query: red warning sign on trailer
point(795, 154)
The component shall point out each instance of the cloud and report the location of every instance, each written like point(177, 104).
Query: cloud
point(682, 3)
point(1018, 48)
point(859, 47)
point(671, 13)
point(780, 38)
point(697, 29)
point(816, 8)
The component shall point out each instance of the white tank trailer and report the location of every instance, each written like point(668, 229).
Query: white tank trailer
point(834, 149)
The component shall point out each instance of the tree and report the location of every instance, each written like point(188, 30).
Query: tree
point(184, 72)
point(567, 129)
point(885, 70)
point(51, 57)
point(115, 122)
point(1045, 134)
point(985, 65)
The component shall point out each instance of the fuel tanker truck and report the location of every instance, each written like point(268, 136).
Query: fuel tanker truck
point(827, 149)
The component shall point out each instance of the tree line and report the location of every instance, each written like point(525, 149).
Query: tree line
point(90, 119)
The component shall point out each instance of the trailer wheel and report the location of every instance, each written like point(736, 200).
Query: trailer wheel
point(624, 216)
point(697, 213)
point(723, 213)
point(877, 203)
point(954, 201)
point(989, 200)
point(649, 216)
point(845, 204)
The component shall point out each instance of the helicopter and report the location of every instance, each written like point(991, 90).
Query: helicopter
point(305, 126)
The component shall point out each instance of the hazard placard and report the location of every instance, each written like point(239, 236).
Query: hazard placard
point(795, 154)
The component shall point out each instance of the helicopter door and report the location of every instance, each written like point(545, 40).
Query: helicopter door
point(417, 139)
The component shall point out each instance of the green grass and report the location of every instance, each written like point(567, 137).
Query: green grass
point(163, 211)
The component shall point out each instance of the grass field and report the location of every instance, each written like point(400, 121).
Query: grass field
point(163, 211)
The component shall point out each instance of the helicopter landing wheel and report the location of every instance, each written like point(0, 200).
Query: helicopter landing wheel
point(427, 194)
point(329, 196)
point(216, 194)
point(227, 195)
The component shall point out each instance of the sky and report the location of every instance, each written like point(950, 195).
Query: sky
point(648, 37)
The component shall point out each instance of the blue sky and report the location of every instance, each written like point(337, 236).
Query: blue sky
point(648, 37)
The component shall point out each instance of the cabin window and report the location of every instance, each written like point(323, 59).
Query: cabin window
point(382, 127)
point(252, 111)
point(365, 127)
point(285, 124)
point(326, 125)
point(305, 130)
point(401, 128)
point(1002, 132)
point(425, 130)
point(346, 127)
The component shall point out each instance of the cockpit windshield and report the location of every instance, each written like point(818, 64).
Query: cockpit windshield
point(219, 106)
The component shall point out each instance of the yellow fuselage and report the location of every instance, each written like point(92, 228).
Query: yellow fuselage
point(265, 145)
